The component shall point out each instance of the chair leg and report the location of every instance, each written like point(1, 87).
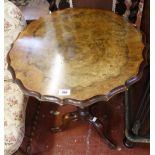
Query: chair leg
point(127, 143)
point(52, 6)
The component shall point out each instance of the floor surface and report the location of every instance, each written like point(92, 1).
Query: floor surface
point(80, 138)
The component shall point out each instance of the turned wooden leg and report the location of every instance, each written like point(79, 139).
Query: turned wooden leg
point(66, 119)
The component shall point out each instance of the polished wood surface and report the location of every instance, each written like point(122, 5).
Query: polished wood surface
point(89, 52)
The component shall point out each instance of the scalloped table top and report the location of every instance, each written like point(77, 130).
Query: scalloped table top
point(76, 54)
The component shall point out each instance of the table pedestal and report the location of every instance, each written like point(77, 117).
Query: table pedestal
point(87, 115)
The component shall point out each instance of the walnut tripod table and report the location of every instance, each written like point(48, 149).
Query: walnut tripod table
point(77, 57)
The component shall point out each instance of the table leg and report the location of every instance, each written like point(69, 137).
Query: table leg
point(88, 116)
point(100, 130)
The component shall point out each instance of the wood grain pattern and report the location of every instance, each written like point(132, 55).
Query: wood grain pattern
point(88, 51)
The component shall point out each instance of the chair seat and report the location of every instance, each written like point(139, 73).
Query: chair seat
point(14, 117)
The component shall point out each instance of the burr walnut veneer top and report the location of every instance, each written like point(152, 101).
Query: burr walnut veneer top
point(76, 54)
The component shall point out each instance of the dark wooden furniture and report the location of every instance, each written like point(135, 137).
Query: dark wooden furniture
point(52, 5)
point(137, 100)
point(98, 4)
point(63, 60)
point(118, 6)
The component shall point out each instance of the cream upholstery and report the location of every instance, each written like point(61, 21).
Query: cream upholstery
point(14, 100)
point(14, 117)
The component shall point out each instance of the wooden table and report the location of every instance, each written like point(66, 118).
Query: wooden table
point(78, 57)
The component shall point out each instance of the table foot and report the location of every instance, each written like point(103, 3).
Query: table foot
point(97, 124)
point(88, 116)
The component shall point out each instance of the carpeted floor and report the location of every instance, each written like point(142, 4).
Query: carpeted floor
point(80, 138)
